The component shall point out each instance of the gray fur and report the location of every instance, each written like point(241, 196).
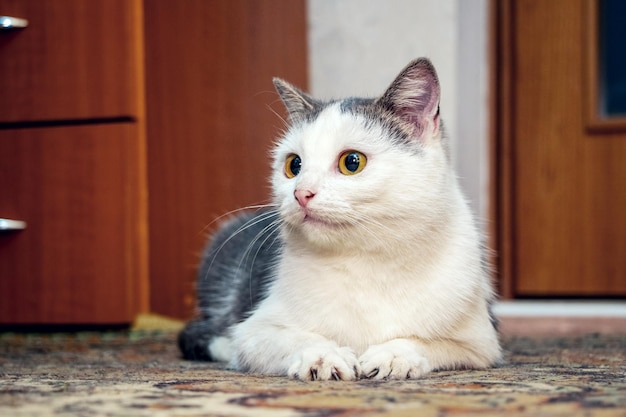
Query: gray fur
point(372, 112)
point(236, 267)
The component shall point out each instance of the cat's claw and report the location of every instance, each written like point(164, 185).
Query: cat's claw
point(371, 374)
point(396, 359)
point(312, 376)
point(323, 363)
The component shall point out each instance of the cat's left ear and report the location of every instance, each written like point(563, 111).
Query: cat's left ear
point(299, 104)
point(414, 98)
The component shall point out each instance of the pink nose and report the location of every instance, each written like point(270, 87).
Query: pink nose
point(303, 197)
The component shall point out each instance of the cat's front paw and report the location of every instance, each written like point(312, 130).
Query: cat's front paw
point(325, 362)
point(396, 359)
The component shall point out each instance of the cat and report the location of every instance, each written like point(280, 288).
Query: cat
point(367, 264)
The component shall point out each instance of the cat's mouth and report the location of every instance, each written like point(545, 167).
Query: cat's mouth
point(317, 221)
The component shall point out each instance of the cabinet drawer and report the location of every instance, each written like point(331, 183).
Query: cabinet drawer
point(82, 256)
point(77, 59)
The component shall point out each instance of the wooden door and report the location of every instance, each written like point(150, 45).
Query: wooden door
point(212, 116)
point(80, 259)
point(562, 178)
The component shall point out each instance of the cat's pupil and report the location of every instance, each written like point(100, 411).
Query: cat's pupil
point(295, 165)
point(352, 162)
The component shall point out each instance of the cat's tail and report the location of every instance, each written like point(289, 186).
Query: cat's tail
point(194, 340)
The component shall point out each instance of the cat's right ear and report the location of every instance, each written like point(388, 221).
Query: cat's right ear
point(414, 98)
point(299, 105)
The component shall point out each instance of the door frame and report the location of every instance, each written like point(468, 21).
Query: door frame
point(501, 131)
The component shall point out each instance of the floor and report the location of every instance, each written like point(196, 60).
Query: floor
point(561, 359)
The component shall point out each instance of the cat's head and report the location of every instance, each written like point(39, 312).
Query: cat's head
point(359, 171)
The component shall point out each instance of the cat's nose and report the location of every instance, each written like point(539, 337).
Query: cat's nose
point(303, 197)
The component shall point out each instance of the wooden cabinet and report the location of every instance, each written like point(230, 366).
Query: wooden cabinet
point(119, 159)
point(72, 163)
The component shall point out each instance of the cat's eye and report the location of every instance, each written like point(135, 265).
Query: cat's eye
point(352, 162)
point(293, 163)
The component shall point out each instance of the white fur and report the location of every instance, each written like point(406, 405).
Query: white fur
point(387, 283)
point(220, 349)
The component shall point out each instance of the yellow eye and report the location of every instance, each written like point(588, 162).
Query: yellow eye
point(293, 163)
point(352, 162)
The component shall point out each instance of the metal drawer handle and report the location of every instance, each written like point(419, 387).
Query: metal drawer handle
point(10, 22)
point(8, 224)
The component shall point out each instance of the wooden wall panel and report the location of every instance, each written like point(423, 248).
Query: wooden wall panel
point(210, 122)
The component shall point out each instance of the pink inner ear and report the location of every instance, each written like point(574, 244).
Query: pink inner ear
point(414, 97)
point(420, 117)
point(409, 115)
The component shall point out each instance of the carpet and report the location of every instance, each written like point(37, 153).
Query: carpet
point(140, 373)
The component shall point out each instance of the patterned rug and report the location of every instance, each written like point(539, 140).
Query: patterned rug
point(140, 373)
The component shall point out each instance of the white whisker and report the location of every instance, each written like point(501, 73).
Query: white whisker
point(235, 211)
point(252, 222)
point(268, 231)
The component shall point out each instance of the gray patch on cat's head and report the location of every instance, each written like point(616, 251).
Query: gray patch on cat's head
point(373, 113)
point(353, 104)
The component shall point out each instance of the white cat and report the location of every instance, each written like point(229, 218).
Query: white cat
point(368, 265)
